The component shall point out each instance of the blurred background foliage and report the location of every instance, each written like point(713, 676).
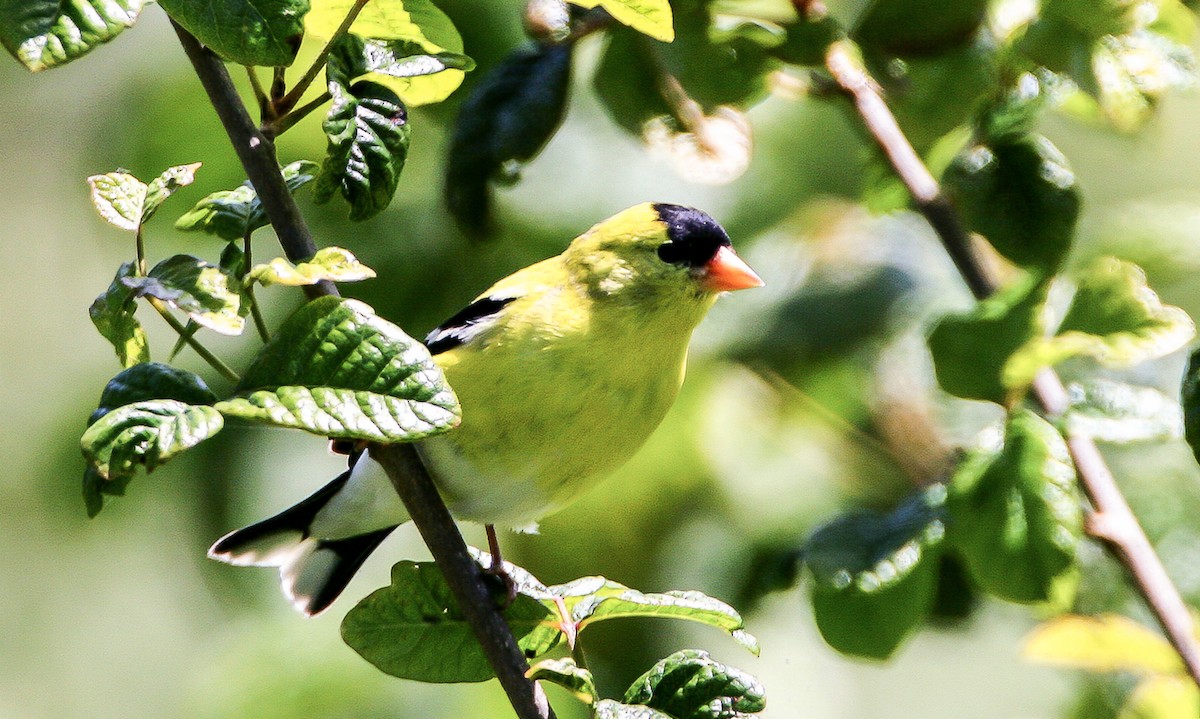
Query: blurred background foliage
point(804, 398)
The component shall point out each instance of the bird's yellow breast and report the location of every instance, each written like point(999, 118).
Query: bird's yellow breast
point(553, 399)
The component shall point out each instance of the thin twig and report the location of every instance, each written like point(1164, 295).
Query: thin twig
point(282, 124)
point(401, 462)
point(260, 94)
point(1111, 521)
point(288, 101)
point(260, 323)
point(212, 360)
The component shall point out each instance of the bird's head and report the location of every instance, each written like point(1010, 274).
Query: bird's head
point(659, 251)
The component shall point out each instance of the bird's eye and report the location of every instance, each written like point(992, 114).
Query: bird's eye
point(672, 253)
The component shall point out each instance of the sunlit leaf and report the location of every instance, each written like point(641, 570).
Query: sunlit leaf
point(1174, 697)
point(249, 32)
point(146, 433)
point(1015, 514)
point(874, 574)
point(47, 33)
point(649, 17)
point(118, 197)
point(568, 675)
point(336, 369)
point(330, 263)
point(415, 22)
point(165, 185)
point(113, 315)
point(413, 628)
point(1101, 643)
point(610, 709)
point(1114, 318)
point(691, 684)
point(1118, 412)
point(233, 214)
point(205, 292)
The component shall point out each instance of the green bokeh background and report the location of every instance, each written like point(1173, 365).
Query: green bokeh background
point(123, 616)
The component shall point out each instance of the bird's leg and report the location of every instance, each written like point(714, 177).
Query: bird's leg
point(496, 568)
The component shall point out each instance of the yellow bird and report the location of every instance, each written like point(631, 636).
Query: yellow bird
point(562, 370)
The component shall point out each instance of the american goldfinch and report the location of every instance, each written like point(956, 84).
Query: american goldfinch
point(562, 370)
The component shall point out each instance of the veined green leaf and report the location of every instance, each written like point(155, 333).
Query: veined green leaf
point(234, 214)
point(47, 33)
point(594, 599)
point(875, 574)
point(266, 33)
point(367, 131)
point(649, 17)
point(413, 628)
point(113, 315)
point(1117, 412)
point(971, 350)
point(127, 202)
point(1101, 643)
point(204, 291)
point(691, 684)
point(610, 709)
point(142, 382)
point(336, 369)
point(146, 433)
point(1114, 318)
point(118, 197)
point(418, 22)
point(568, 675)
point(1015, 514)
point(330, 263)
point(152, 380)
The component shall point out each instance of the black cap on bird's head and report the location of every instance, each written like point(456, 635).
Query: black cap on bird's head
point(698, 241)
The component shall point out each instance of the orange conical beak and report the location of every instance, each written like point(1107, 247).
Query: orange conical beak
point(726, 272)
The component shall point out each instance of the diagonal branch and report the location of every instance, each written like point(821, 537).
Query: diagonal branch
point(1111, 520)
point(404, 467)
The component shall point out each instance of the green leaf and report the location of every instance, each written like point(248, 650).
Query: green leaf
point(165, 185)
point(248, 32)
point(330, 263)
point(971, 350)
point(152, 380)
point(874, 574)
point(568, 675)
point(127, 202)
point(1190, 398)
point(234, 214)
point(47, 33)
point(1102, 643)
point(1117, 412)
point(594, 599)
point(626, 81)
point(919, 27)
point(509, 117)
point(1174, 697)
point(1015, 514)
point(413, 628)
point(146, 381)
point(691, 685)
point(146, 433)
point(808, 39)
point(649, 17)
point(204, 291)
point(1114, 318)
point(367, 131)
point(336, 369)
point(1012, 115)
point(609, 709)
point(113, 315)
point(1019, 194)
point(119, 198)
point(410, 23)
